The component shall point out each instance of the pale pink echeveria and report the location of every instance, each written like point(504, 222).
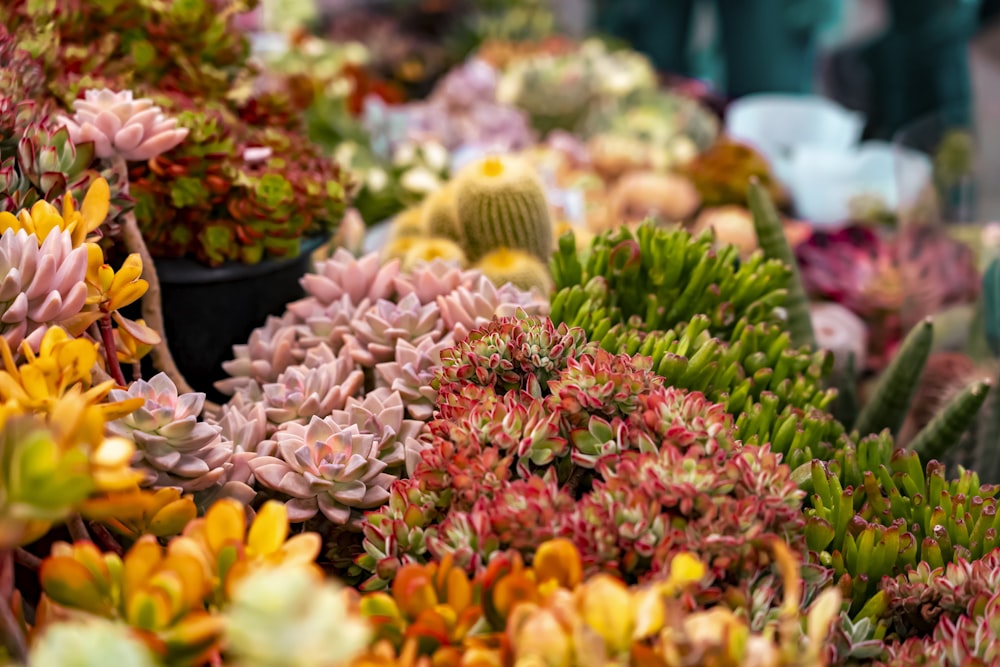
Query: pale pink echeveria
point(377, 330)
point(466, 309)
point(411, 374)
point(302, 392)
point(329, 323)
point(120, 126)
point(243, 426)
point(358, 277)
point(382, 413)
point(41, 286)
point(270, 350)
point(173, 448)
point(324, 468)
point(429, 280)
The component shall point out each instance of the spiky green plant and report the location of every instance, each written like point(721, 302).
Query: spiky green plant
point(875, 511)
point(888, 406)
point(723, 333)
point(774, 243)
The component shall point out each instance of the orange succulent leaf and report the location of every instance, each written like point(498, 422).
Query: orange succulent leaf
point(69, 583)
point(558, 560)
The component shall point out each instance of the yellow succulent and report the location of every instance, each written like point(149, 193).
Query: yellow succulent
point(229, 550)
point(42, 218)
point(114, 289)
point(159, 591)
point(63, 365)
point(136, 512)
point(48, 472)
point(129, 348)
point(110, 290)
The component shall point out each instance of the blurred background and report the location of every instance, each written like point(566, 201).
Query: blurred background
point(913, 69)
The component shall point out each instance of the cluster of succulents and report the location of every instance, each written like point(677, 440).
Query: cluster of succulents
point(541, 434)
point(235, 190)
point(111, 44)
point(245, 183)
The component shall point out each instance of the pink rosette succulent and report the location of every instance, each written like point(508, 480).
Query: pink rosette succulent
point(120, 126)
point(324, 468)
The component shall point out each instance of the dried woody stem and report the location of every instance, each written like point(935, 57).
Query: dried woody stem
point(152, 307)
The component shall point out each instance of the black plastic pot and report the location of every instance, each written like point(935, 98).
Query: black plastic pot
point(208, 310)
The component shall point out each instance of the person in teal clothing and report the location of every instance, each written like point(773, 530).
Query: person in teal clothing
point(767, 45)
point(920, 65)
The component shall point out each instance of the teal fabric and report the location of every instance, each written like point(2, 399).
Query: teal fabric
point(920, 65)
point(766, 45)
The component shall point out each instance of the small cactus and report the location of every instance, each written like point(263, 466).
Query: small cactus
point(438, 216)
point(407, 224)
point(517, 267)
point(501, 204)
point(427, 250)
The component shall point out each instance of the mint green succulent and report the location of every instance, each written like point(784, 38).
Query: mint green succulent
point(95, 642)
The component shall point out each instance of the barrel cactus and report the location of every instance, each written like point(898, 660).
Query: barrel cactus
point(501, 204)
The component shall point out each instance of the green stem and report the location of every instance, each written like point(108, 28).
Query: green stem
point(944, 431)
point(772, 240)
point(898, 383)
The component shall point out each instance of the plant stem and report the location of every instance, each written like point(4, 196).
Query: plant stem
point(27, 559)
point(152, 307)
point(105, 538)
point(77, 529)
point(10, 628)
point(111, 350)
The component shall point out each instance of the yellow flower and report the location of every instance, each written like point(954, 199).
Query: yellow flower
point(43, 217)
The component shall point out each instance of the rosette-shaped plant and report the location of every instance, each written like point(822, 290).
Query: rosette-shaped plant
point(43, 285)
point(270, 349)
point(120, 126)
point(359, 278)
point(411, 374)
point(919, 599)
point(173, 447)
point(323, 467)
point(303, 392)
point(373, 339)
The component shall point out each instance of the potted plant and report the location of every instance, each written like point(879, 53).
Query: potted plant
point(229, 214)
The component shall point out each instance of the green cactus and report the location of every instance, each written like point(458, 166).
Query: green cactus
point(954, 420)
point(898, 383)
point(988, 435)
point(516, 267)
point(772, 240)
point(439, 216)
point(501, 204)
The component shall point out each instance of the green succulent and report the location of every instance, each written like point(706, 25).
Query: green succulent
point(655, 279)
point(875, 511)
